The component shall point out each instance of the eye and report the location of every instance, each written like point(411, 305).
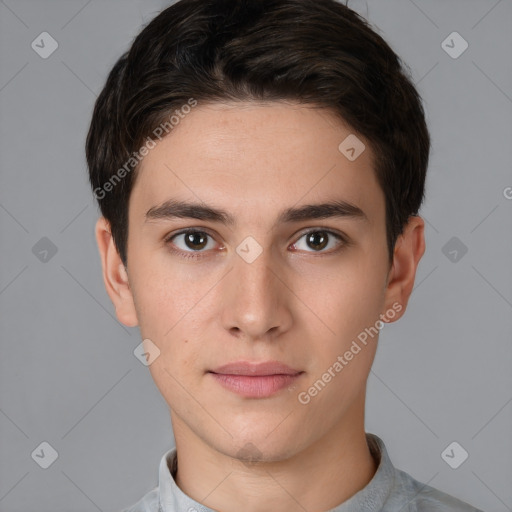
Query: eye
point(318, 240)
point(191, 243)
point(191, 240)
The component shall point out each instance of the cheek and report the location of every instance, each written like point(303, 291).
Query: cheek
point(349, 305)
point(168, 306)
point(349, 297)
point(162, 296)
point(165, 308)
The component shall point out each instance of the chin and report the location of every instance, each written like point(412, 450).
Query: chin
point(259, 446)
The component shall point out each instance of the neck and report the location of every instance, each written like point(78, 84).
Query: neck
point(320, 477)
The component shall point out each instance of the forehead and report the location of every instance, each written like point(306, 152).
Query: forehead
point(251, 157)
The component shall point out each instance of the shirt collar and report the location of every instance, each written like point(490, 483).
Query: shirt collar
point(370, 499)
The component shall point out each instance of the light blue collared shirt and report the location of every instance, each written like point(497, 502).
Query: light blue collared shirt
point(390, 490)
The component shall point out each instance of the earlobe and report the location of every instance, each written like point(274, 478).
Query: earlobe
point(409, 248)
point(115, 276)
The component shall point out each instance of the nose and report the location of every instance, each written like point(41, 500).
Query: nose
point(256, 300)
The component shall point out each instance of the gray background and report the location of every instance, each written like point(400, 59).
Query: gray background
point(68, 375)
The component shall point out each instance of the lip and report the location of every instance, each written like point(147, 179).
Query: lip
point(255, 380)
point(255, 369)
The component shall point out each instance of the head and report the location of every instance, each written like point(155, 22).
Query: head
point(235, 121)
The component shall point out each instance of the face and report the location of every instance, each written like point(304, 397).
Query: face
point(258, 276)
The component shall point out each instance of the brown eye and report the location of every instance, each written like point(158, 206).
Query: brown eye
point(191, 241)
point(196, 240)
point(318, 240)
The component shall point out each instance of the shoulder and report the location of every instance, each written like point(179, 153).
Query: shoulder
point(148, 503)
point(413, 496)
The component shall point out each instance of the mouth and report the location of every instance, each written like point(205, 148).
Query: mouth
point(255, 380)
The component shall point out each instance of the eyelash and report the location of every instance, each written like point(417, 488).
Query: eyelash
point(343, 242)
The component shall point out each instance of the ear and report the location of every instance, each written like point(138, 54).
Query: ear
point(115, 276)
point(409, 249)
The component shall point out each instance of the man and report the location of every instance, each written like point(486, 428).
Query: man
point(260, 166)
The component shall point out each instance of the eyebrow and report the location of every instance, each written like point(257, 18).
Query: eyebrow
point(180, 209)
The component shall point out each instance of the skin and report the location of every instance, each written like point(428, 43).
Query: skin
point(298, 303)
